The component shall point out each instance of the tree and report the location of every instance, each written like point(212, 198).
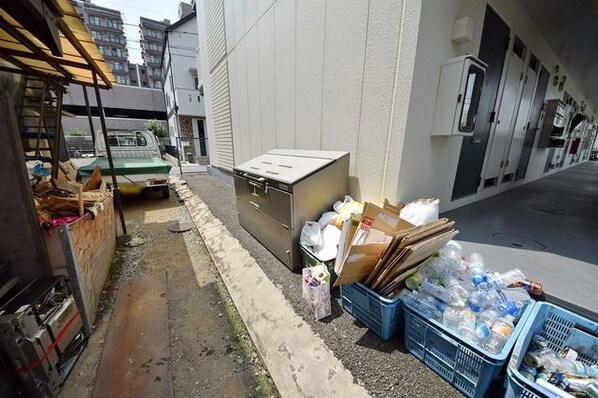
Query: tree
point(156, 127)
point(76, 133)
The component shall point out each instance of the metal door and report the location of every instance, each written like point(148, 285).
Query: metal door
point(506, 113)
point(493, 46)
point(521, 122)
point(532, 126)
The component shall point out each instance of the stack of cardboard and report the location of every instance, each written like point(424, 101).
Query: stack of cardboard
point(382, 250)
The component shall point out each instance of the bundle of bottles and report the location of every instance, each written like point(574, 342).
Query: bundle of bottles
point(461, 293)
point(559, 372)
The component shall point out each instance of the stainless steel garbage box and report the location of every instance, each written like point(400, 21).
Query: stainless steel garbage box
point(279, 191)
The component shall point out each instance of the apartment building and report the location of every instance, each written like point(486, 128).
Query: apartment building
point(152, 46)
point(106, 27)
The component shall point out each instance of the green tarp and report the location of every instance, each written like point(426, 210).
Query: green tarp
point(127, 166)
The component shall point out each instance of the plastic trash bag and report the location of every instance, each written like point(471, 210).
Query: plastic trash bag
point(421, 211)
point(345, 209)
point(316, 290)
point(311, 234)
point(327, 218)
point(331, 235)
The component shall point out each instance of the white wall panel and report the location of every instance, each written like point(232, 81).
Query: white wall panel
point(267, 81)
point(284, 59)
point(220, 113)
point(346, 27)
point(379, 75)
point(310, 23)
point(253, 92)
point(229, 23)
point(241, 120)
point(215, 32)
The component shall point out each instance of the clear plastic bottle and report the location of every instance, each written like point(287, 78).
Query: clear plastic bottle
point(421, 302)
point(509, 308)
point(501, 330)
point(440, 292)
point(484, 322)
point(482, 299)
point(477, 271)
point(433, 268)
point(571, 368)
point(515, 294)
point(466, 327)
point(501, 281)
point(450, 317)
point(455, 287)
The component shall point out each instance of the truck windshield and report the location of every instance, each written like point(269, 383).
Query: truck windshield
point(126, 140)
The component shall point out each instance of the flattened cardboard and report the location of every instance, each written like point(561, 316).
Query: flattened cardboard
point(414, 254)
point(360, 260)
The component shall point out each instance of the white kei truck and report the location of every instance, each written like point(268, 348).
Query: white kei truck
point(138, 164)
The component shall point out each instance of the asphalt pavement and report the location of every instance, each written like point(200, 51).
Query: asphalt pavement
point(384, 368)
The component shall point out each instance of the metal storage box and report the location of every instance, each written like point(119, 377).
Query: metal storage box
point(279, 191)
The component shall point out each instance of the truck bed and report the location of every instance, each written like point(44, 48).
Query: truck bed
point(127, 166)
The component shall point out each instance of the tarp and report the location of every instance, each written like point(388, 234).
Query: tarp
point(127, 166)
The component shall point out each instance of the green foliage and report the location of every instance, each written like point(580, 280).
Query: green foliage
point(156, 127)
point(76, 133)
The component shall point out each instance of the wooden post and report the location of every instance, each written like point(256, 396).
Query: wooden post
point(89, 118)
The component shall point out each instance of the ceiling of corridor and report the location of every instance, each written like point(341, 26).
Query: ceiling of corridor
point(571, 30)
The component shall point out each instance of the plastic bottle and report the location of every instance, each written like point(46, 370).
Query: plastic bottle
point(455, 287)
point(440, 292)
point(414, 281)
point(466, 327)
point(501, 281)
point(482, 299)
point(515, 294)
point(421, 303)
point(450, 317)
point(509, 308)
point(501, 330)
point(433, 268)
point(484, 322)
point(571, 368)
point(477, 271)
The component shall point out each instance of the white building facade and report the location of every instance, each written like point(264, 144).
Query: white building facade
point(184, 105)
point(364, 77)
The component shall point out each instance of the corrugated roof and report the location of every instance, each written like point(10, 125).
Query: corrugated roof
point(20, 50)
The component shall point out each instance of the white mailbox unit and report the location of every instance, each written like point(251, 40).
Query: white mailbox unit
point(459, 91)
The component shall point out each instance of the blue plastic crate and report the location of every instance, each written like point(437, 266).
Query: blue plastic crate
point(562, 328)
point(465, 365)
point(381, 315)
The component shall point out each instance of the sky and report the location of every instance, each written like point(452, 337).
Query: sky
point(131, 10)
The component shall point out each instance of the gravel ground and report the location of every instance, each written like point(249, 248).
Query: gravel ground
point(385, 369)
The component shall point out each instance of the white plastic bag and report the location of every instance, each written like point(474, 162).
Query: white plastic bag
point(331, 235)
point(311, 234)
point(345, 209)
point(327, 218)
point(421, 211)
point(316, 291)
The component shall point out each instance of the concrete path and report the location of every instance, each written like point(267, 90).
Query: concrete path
point(299, 361)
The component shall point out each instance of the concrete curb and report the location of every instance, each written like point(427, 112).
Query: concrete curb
point(298, 360)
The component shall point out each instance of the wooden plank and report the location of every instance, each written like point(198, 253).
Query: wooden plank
point(136, 357)
point(93, 243)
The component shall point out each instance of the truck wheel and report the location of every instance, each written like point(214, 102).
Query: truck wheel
point(165, 192)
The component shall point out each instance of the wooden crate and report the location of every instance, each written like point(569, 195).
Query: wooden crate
point(83, 252)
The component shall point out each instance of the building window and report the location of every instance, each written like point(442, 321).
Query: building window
point(117, 52)
point(117, 66)
point(96, 35)
point(157, 72)
point(121, 79)
point(157, 84)
point(195, 82)
point(113, 24)
point(94, 20)
point(154, 47)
